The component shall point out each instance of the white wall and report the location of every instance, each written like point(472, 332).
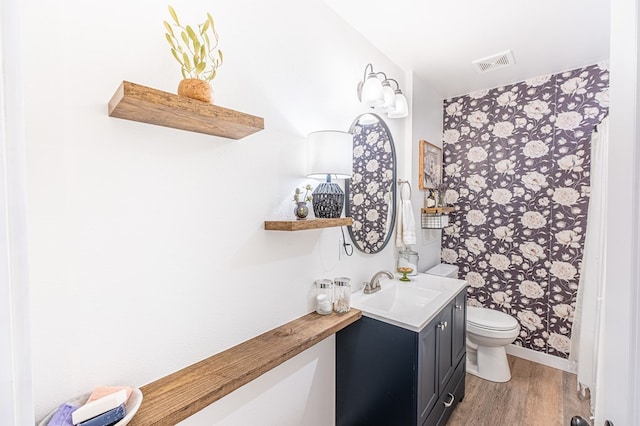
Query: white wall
point(622, 331)
point(16, 403)
point(147, 246)
point(425, 124)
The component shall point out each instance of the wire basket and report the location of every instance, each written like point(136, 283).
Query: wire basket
point(436, 217)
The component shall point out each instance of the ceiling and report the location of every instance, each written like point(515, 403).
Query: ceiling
point(438, 40)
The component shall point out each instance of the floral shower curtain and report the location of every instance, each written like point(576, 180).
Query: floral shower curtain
point(516, 162)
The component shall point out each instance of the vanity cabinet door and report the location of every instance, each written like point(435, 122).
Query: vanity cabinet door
point(459, 326)
point(376, 374)
point(427, 368)
point(444, 345)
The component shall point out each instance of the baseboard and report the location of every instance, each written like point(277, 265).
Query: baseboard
point(542, 358)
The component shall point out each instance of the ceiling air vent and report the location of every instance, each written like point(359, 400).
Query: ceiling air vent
point(494, 62)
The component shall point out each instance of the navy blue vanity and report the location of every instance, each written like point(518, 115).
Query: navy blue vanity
point(387, 374)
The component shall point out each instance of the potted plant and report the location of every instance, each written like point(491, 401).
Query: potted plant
point(196, 50)
point(301, 211)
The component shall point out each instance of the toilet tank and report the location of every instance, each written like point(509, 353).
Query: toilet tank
point(444, 270)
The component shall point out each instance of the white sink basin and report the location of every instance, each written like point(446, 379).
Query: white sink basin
point(401, 299)
point(409, 305)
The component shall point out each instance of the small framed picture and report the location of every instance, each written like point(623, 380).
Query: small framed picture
point(430, 165)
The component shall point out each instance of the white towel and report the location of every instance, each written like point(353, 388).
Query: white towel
point(406, 230)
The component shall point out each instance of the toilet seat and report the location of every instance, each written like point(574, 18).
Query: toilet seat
point(490, 320)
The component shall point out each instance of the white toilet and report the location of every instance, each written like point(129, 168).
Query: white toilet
point(488, 333)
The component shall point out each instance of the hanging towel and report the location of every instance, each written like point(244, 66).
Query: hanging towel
point(406, 230)
point(408, 223)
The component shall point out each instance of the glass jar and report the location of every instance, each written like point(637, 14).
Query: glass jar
point(408, 258)
point(342, 295)
point(324, 296)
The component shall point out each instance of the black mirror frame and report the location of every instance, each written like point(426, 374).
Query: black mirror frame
point(394, 192)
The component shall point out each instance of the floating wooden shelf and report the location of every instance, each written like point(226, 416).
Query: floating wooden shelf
point(299, 225)
point(436, 210)
point(140, 103)
point(179, 395)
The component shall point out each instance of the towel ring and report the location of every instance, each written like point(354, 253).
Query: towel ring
point(402, 182)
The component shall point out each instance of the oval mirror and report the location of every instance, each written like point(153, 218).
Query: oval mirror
point(371, 191)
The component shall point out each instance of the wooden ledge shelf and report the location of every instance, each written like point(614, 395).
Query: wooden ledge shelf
point(140, 103)
point(179, 395)
point(438, 210)
point(300, 225)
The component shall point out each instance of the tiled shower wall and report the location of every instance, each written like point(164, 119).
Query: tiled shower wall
point(516, 162)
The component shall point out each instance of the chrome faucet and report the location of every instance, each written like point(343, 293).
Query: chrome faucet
point(374, 285)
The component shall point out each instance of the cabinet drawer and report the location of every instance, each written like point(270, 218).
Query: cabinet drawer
point(446, 403)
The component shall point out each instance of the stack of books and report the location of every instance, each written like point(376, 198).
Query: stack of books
point(105, 407)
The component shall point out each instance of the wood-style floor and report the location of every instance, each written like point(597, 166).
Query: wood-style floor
point(535, 395)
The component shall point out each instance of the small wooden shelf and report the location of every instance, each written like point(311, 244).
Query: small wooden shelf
point(299, 225)
point(140, 103)
point(179, 395)
point(438, 210)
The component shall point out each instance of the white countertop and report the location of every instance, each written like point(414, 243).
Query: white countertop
point(407, 304)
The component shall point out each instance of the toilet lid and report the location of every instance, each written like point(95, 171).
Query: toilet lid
point(490, 319)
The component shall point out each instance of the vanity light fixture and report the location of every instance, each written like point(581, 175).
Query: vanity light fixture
point(375, 91)
point(389, 95)
point(330, 156)
point(370, 91)
point(401, 107)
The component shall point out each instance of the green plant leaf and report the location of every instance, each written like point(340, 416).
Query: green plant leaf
point(184, 37)
point(220, 55)
point(210, 20)
point(187, 62)
point(168, 27)
point(191, 33)
point(184, 73)
point(175, 55)
point(205, 27)
point(174, 15)
point(170, 40)
point(200, 67)
point(203, 52)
